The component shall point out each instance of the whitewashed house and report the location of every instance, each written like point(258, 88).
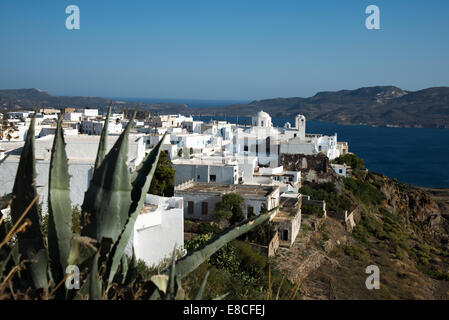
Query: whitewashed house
point(158, 230)
point(341, 169)
point(200, 198)
point(81, 153)
point(209, 170)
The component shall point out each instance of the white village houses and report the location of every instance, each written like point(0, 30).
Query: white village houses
point(210, 159)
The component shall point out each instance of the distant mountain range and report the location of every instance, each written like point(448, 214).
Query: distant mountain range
point(377, 106)
point(19, 99)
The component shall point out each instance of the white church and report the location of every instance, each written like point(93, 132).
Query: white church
point(266, 142)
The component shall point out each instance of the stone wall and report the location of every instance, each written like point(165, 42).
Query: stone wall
point(313, 168)
point(319, 203)
point(348, 220)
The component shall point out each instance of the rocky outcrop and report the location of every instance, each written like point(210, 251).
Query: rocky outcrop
point(415, 203)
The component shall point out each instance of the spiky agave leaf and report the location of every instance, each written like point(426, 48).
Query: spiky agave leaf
point(171, 279)
point(95, 283)
point(160, 281)
point(106, 203)
point(195, 258)
point(59, 207)
point(3, 160)
point(102, 146)
point(132, 272)
point(141, 184)
point(199, 294)
point(124, 267)
point(221, 297)
point(30, 242)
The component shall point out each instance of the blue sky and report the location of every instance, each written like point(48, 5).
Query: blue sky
point(246, 49)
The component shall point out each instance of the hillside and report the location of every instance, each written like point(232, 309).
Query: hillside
point(401, 229)
point(378, 106)
point(31, 98)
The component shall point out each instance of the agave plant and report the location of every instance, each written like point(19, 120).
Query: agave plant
point(110, 208)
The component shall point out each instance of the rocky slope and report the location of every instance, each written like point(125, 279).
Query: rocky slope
point(405, 235)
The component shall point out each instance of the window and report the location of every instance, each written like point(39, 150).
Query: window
point(267, 145)
point(285, 235)
point(213, 178)
point(340, 170)
point(198, 177)
point(190, 207)
point(245, 147)
point(204, 208)
point(250, 211)
point(294, 136)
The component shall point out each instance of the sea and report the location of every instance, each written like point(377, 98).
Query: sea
point(416, 156)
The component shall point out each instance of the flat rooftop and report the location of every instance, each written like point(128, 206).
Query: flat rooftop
point(242, 189)
point(219, 161)
point(288, 209)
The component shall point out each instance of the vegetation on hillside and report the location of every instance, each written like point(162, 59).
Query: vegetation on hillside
point(391, 234)
point(241, 271)
point(335, 200)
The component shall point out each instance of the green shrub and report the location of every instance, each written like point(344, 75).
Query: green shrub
point(312, 209)
point(327, 192)
point(364, 191)
point(144, 270)
point(433, 272)
point(206, 227)
point(223, 259)
point(356, 252)
point(399, 253)
point(262, 234)
point(351, 160)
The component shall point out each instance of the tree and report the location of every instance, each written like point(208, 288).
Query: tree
point(262, 234)
point(180, 152)
point(229, 208)
point(164, 177)
point(191, 152)
point(351, 160)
